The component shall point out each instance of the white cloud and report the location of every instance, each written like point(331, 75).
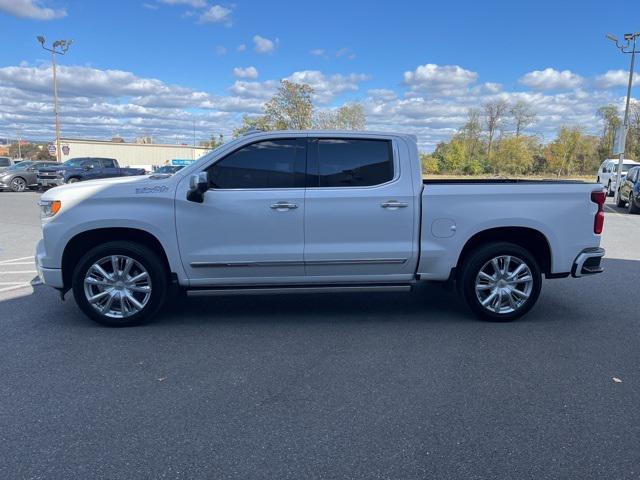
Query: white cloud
point(216, 14)
point(264, 45)
point(190, 3)
point(615, 78)
point(33, 9)
point(551, 79)
point(249, 72)
point(327, 87)
point(317, 52)
point(150, 6)
point(221, 50)
point(99, 103)
point(446, 79)
point(241, 48)
point(259, 90)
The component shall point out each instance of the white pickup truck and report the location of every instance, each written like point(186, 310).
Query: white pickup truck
point(296, 212)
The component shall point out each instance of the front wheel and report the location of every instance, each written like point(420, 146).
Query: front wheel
point(500, 281)
point(18, 184)
point(73, 180)
point(633, 207)
point(620, 202)
point(120, 284)
point(609, 191)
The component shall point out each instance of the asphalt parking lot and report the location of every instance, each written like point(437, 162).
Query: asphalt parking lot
point(395, 386)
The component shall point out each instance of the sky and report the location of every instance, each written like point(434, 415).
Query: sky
point(169, 68)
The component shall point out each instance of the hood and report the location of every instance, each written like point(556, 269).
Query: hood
point(118, 187)
point(54, 169)
point(3, 169)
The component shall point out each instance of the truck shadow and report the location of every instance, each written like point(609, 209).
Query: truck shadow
point(565, 300)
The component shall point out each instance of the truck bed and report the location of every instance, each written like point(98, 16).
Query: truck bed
point(449, 181)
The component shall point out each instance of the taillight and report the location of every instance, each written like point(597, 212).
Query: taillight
point(599, 197)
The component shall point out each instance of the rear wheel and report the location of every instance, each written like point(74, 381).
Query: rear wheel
point(73, 180)
point(18, 184)
point(620, 202)
point(500, 281)
point(120, 284)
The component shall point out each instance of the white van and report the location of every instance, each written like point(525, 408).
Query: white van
point(608, 171)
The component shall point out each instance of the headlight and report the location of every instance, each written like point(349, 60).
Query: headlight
point(48, 208)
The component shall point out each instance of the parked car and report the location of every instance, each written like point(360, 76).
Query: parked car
point(171, 169)
point(608, 172)
point(23, 175)
point(301, 212)
point(5, 162)
point(86, 168)
point(629, 193)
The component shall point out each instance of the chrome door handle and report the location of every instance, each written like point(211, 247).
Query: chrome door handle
point(394, 204)
point(284, 206)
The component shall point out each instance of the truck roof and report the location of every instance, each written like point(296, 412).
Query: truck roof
point(342, 133)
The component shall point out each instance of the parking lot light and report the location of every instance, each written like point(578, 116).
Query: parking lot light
point(628, 47)
point(59, 47)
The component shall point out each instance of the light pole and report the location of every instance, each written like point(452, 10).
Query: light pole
point(628, 47)
point(59, 47)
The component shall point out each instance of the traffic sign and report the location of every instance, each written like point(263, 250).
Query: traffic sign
point(52, 149)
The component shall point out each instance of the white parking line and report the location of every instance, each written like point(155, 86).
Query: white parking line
point(19, 271)
point(19, 286)
point(16, 263)
point(15, 260)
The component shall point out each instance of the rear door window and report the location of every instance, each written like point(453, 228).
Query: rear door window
point(350, 162)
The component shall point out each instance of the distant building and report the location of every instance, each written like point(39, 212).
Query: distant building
point(144, 140)
point(141, 155)
point(117, 140)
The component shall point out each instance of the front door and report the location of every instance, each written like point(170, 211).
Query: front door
point(360, 212)
point(250, 227)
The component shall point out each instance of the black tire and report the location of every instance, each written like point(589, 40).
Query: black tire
point(477, 259)
point(633, 207)
point(147, 258)
point(620, 203)
point(18, 184)
point(609, 192)
point(73, 180)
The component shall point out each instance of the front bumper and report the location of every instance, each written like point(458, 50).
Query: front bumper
point(588, 262)
point(48, 276)
point(50, 182)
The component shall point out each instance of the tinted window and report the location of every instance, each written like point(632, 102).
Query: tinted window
point(353, 162)
point(94, 163)
point(108, 163)
point(266, 164)
point(4, 162)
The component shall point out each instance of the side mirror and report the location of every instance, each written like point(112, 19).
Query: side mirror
point(198, 185)
point(31, 169)
point(87, 167)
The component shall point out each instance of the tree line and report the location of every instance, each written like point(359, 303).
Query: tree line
point(492, 142)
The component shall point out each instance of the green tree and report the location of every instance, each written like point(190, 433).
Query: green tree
point(494, 113)
point(513, 155)
point(610, 124)
point(348, 117)
point(430, 165)
point(561, 154)
point(522, 115)
point(213, 142)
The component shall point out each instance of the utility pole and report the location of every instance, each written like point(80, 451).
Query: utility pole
point(628, 47)
point(59, 47)
point(19, 145)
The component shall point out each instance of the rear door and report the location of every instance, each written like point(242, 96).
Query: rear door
point(360, 211)
point(109, 168)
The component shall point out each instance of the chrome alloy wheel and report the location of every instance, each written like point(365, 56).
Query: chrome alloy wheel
point(117, 286)
point(504, 284)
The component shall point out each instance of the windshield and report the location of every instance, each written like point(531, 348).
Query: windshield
point(21, 166)
point(74, 162)
point(625, 167)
